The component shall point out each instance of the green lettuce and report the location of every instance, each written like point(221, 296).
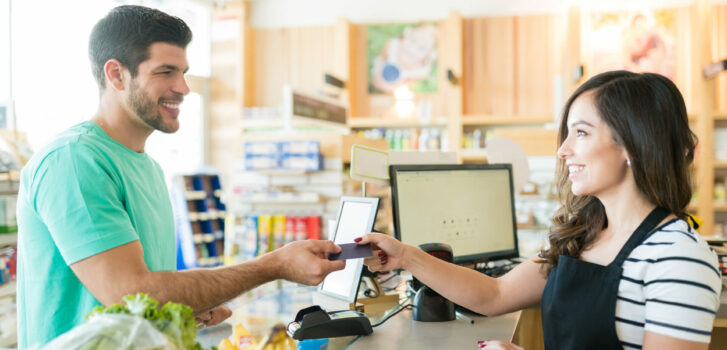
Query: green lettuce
point(173, 319)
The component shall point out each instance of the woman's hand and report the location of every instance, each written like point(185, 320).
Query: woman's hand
point(389, 253)
point(497, 345)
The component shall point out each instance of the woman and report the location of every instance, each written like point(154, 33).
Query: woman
point(624, 269)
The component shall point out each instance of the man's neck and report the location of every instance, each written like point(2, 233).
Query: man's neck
point(120, 125)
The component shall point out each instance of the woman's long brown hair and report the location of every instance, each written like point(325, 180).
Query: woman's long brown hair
point(647, 116)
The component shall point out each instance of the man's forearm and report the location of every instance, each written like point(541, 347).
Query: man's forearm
point(203, 289)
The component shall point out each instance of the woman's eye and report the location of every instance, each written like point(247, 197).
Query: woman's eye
point(581, 132)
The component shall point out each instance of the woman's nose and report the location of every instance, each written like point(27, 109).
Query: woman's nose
point(564, 150)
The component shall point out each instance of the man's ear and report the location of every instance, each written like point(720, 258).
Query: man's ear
point(114, 74)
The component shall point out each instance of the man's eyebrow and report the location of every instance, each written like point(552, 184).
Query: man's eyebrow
point(170, 67)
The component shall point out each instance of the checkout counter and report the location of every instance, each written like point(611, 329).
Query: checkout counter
point(278, 301)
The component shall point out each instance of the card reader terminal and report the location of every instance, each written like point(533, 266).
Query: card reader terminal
point(314, 322)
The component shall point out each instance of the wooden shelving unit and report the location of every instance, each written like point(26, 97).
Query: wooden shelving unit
point(505, 68)
point(370, 122)
point(506, 119)
point(720, 115)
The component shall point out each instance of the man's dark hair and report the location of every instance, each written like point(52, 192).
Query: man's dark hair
point(127, 32)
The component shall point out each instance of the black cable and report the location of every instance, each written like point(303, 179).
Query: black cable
point(408, 306)
point(389, 278)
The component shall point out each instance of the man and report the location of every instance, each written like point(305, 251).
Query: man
point(94, 214)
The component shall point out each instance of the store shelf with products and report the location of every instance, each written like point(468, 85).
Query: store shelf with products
point(199, 220)
point(394, 122)
point(271, 207)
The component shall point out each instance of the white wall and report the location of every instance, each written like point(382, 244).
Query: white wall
point(52, 82)
point(4, 46)
point(53, 85)
point(292, 13)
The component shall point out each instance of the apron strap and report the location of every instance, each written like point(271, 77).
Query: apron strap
point(646, 226)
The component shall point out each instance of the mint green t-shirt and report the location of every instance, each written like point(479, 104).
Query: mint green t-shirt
point(81, 195)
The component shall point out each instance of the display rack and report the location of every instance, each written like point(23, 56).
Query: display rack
point(199, 220)
point(269, 208)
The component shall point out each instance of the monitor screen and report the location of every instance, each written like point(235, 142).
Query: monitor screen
point(470, 207)
point(356, 216)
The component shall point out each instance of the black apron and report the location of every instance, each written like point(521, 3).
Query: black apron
point(579, 299)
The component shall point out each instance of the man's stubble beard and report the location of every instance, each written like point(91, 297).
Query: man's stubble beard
point(147, 110)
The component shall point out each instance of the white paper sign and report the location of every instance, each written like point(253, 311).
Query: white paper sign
point(369, 164)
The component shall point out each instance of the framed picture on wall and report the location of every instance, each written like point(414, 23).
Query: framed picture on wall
point(634, 41)
point(402, 55)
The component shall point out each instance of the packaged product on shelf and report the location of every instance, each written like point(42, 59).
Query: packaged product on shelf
point(261, 148)
point(250, 246)
point(313, 224)
point(261, 162)
point(300, 147)
point(307, 162)
point(278, 231)
point(289, 229)
point(301, 228)
point(265, 231)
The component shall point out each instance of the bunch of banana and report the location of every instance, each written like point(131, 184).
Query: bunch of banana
point(278, 339)
point(243, 340)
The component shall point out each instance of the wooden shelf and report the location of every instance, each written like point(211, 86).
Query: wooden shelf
point(195, 195)
point(473, 155)
point(287, 198)
point(720, 164)
point(281, 172)
point(506, 119)
point(716, 206)
point(393, 122)
point(261, 124)
point(719, 115)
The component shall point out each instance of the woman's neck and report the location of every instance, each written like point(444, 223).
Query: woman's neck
point(626, 209)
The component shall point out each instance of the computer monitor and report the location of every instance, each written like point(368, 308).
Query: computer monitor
point(470, 207)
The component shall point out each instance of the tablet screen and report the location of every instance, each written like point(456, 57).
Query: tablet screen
point(356, 217)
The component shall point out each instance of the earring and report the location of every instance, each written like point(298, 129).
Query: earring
point(628, 162)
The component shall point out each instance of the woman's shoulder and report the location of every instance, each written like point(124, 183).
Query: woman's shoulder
point(675, 246)
point(675, 232)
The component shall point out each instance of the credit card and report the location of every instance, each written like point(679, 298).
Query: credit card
point(352, 251)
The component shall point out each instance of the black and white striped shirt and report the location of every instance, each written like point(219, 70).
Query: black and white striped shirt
point(670, 285)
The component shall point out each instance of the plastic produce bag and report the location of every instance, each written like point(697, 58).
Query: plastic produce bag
point(115, 332)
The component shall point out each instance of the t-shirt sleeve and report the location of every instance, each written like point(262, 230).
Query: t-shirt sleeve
point(81, 201)
point(682, 292)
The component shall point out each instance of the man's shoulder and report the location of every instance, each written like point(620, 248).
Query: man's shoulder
point(77, 141)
